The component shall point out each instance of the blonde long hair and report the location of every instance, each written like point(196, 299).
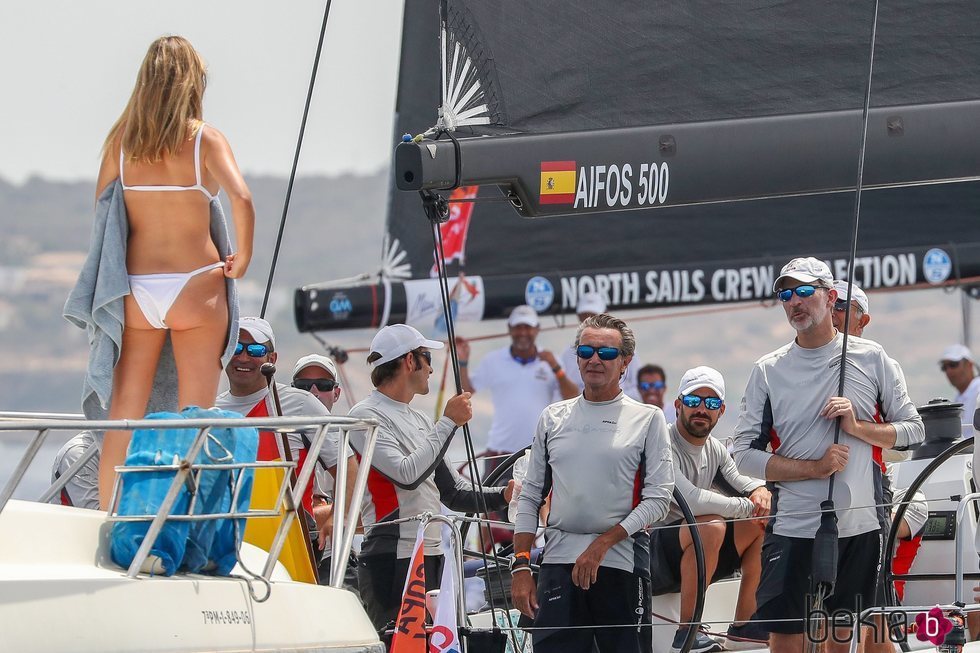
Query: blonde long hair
point(167, 104)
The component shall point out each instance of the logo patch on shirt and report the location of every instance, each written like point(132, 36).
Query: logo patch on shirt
point(608, 421)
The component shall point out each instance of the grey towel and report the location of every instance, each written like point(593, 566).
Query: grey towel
point(96, 305)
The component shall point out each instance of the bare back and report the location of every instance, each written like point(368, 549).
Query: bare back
point(169, 231)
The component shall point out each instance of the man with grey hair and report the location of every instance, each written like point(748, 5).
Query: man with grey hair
point(785, 434)
point(588, 305)
point(605, 460)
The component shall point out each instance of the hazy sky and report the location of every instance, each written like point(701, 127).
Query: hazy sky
point(69, 68)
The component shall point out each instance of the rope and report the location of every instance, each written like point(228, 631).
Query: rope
point(292, 171)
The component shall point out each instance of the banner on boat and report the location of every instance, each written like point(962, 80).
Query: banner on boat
point(418, 302)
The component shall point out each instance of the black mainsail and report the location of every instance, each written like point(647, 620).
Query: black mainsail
point(716, 139)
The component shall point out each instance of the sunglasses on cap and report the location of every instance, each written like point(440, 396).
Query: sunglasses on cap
point(254, 349)
point(786, 294)
point(323, 385)
point(693, 401)
point(651, 385)
point(949, 365)
point(605, 353)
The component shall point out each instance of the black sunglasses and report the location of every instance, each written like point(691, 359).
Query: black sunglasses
point(427, 355)
point(693, 401)
point(841, 305)
point(605, 353)
point(254, 349)
point(949, 365)
point(323, 385)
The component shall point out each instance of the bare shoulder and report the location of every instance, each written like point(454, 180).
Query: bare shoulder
point(212, 137)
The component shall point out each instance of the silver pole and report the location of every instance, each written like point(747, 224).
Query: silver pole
point(21, 469)
point(961, 509)
point(339, 503)
point(295, 496)
point(354, 511)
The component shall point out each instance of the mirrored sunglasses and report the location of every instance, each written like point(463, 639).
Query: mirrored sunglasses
point(605, 353)
point(786, 294)
point(254, 349)
point(323, 385)
point(646, 386)
point(693, 401)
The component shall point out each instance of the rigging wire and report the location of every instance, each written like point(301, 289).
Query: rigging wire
point(292, 171)
point(467, 437)
point(825, 549)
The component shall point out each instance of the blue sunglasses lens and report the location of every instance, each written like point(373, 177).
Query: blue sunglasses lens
point(801, 291)
point(651, 385)
point(255, 350)
point(605, 353)
point(693, 401)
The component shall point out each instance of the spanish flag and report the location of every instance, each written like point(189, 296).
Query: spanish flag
point(557, 182)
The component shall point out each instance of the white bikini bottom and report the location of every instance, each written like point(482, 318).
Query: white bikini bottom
point(156, 293)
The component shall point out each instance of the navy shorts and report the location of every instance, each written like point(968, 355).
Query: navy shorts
point(785, 597)
point(618, 598)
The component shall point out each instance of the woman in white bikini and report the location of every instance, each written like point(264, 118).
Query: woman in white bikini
point(171, 166)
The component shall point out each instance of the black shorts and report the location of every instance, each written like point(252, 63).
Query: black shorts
point(381, 582)
point(784, 596)
point(666, 553)
point(617, 598)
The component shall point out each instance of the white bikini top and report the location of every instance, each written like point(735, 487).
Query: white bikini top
point(197, 173)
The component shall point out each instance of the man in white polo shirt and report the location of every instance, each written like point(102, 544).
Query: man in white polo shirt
point(961, 372)
point(522, 381)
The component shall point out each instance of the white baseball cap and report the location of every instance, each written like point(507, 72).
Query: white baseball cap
point(259, 329)
point(590, 302)
point(397, 340)
point(317, 360)
point(523, 314)
point(807, 270)
point(956, 353)
point(702, 377)
point(859, 296)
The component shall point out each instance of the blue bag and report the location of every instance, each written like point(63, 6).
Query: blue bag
point(189, 546)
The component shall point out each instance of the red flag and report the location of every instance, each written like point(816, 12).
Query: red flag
point(454, 230)
point(410, 624)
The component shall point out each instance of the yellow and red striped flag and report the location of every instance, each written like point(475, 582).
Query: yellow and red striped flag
point(557, 182)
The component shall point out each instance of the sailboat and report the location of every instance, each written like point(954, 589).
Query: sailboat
point(675, 155)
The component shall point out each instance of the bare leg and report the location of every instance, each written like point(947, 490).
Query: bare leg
point(132, 382)
point(847, 634)
point(198, 323)
point(748, 543)
point(784, 643)
point(712, 532)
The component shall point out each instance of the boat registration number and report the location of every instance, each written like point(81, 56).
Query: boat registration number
point(226, 617)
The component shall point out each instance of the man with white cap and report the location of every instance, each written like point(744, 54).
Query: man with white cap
point(785, 434)
point(409, 472)
point(706, 476)
point(858, 306)
point(590, 304)
point(521, 379)
point(249, 395)
point(957, 363)
point(317, 374)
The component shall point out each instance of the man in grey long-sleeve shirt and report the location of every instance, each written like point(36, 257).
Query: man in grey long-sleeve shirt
point(606, 461)
point(706, 476)
point(409, 474)
point(785, 434)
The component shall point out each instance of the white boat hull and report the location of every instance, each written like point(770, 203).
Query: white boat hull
point(59, 592)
